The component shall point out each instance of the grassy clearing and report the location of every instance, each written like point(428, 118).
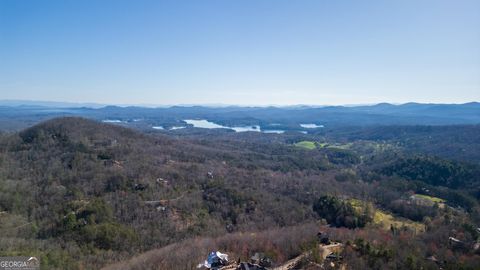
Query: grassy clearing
point(430, 198)
point(306, 145)
point(386, 220)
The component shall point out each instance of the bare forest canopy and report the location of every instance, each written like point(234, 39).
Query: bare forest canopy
point(82, 194)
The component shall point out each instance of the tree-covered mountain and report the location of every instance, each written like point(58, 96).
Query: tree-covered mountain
point(82, 194)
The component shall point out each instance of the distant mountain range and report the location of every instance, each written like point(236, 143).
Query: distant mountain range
point(19, 114)
point(55, 104)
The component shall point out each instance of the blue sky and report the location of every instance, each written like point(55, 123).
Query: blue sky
point(253, 52)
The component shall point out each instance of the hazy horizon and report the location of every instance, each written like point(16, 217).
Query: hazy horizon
point(46, 103)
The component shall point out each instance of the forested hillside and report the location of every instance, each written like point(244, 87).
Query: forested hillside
point(82, 195)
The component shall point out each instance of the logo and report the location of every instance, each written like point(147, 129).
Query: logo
point(19, 263)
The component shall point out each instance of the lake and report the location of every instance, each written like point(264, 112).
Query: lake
point(203, 124)
point(171, 128)
point(113, 121)
point(207, 124)
point(311, 126)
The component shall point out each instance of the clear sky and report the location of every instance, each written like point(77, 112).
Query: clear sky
point(253, 52)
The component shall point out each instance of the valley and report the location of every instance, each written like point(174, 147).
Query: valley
point(74, 189)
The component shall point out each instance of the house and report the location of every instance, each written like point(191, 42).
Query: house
point(456, 243)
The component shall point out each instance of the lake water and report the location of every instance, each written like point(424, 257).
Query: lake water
point(203, 124)
point(172, 128)
point(207, 124)
point(311, 126)
point(175, 128)
point(273, 131)
point(112, 121)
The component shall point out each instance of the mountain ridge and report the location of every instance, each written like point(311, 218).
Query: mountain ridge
point(288, 117)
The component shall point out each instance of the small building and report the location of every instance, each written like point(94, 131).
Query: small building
point(456, 243)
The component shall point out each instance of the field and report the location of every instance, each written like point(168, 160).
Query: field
point(306, 145)
point(429, 198)
point(385, 220)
